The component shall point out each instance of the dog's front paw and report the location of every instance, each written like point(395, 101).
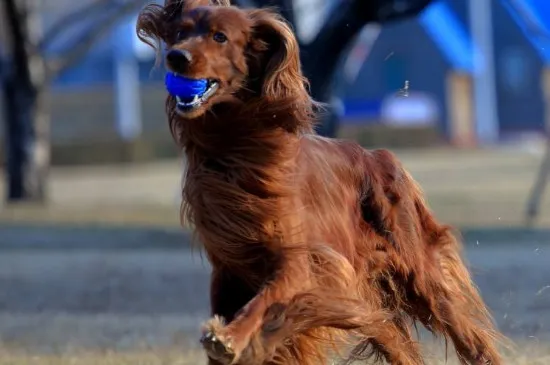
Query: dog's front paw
point(218, 344)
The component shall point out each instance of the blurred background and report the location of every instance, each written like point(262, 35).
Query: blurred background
point(93, 260)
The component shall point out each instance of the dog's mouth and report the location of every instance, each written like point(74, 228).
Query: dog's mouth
point(190, 94)
point(186, 102)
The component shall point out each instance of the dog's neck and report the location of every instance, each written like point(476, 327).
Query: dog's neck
point(254, 133)
point(239, 166)
point(245, 142)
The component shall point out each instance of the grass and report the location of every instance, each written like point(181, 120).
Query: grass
point(138, 214)
point(150, 357)
point(531, 354)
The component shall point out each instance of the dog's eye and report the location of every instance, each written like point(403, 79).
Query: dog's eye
point(219, 37)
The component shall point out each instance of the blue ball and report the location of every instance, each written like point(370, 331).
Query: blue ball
point(184, 87)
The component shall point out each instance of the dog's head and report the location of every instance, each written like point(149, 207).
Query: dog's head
point(223, 54)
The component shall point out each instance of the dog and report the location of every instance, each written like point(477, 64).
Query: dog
point(319, 248)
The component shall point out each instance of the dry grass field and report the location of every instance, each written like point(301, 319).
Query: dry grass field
point(529, 355)
point(145, 306)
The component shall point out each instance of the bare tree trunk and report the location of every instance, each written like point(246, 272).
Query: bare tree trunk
point(27, 147)
point(18, 134)
point(21, 97)
point(26, 117)
point(26, 87)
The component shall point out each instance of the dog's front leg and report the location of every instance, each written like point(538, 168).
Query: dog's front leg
point(239, 341)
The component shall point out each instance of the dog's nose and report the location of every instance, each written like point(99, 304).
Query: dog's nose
point(179, 59)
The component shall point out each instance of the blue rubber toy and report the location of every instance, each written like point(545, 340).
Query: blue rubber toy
point(184, 87)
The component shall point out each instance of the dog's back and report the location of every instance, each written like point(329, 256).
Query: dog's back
point(370, 211)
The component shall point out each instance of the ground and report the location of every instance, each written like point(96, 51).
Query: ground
point(76, 292)
point(112, 300)
point(534, 355)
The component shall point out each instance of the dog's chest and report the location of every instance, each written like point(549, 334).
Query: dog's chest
point(232, 205)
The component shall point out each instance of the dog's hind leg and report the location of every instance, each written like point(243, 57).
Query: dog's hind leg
point(465, 317)
point(454, 308)
point(473, 342)
point(391, 340)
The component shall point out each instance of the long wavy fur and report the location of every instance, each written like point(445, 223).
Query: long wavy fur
point(335, 241)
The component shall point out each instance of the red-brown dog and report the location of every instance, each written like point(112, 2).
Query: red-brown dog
point(317, 245)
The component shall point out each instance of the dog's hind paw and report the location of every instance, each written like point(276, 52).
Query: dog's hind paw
point(217, 345)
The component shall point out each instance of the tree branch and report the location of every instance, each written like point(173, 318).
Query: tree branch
point(341, 27)
point(353, 15)
point(80, 47)
point(394, 10)
point(329, 44)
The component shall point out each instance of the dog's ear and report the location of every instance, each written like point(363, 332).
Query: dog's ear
point(276, 50)
point(152, 23)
